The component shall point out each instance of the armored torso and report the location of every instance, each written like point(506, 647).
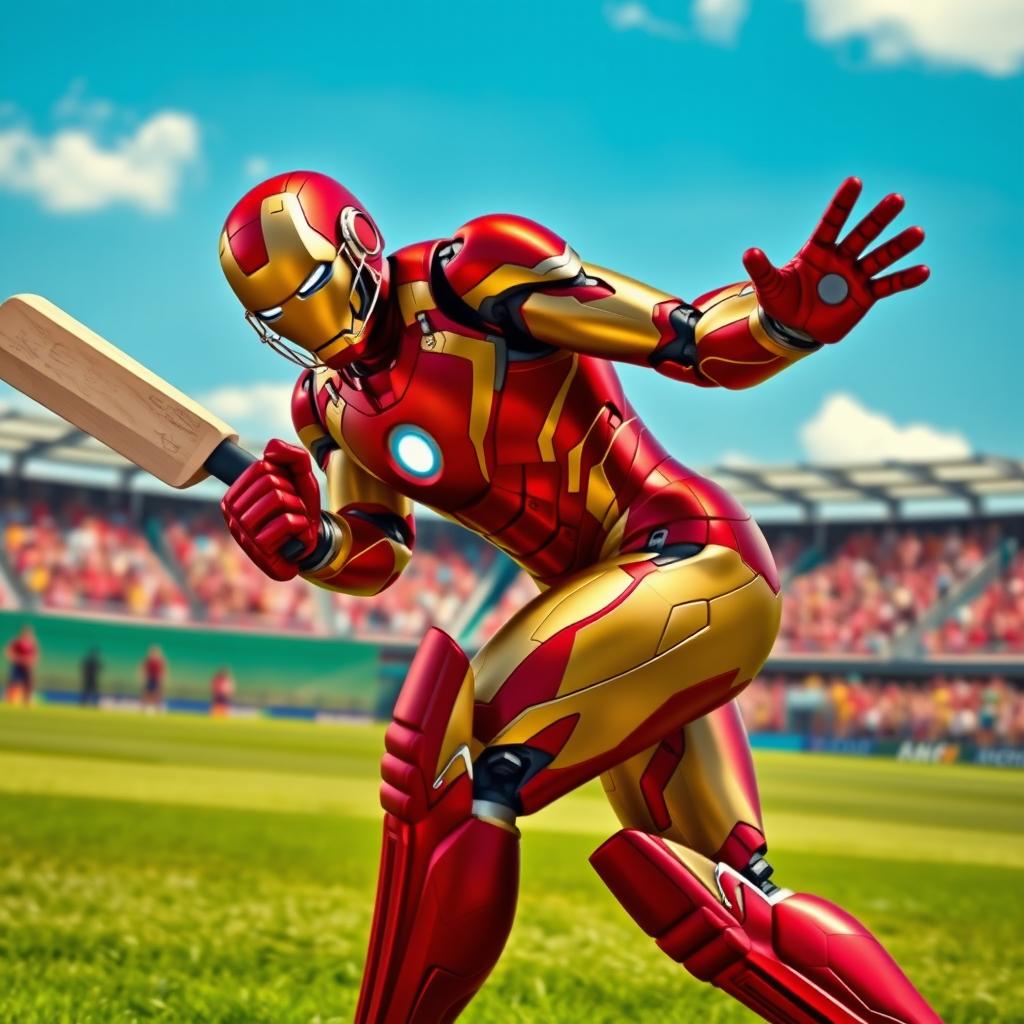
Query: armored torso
point(535, 449)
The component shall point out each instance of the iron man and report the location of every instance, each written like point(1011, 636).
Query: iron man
point(474, 375)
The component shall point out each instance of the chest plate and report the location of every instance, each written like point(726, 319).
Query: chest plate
point(539, 455)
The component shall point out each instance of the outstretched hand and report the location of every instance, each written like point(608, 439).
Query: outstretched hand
point(828, 286)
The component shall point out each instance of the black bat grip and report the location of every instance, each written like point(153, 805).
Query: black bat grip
point(227, 462)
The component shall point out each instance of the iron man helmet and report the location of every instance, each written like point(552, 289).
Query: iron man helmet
point(307, 262)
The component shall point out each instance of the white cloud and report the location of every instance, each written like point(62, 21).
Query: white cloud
point(632, 15)
point(256, 410)
point(844, 430)
point(74, 170)
point(986, 35)
point(720, 21)
point(256, 166)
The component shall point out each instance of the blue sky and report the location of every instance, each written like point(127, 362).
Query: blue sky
point(659, 139)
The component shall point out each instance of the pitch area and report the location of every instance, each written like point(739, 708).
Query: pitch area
point(179, 870)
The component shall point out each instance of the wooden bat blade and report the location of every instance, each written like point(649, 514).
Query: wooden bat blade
point(51, 357)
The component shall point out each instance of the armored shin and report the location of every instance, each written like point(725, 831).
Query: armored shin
point(448, 881)
point(791, 957)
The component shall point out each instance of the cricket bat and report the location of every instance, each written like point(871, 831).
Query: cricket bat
point(63, 365)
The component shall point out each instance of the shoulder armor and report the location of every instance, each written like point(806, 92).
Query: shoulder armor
point(494, 255)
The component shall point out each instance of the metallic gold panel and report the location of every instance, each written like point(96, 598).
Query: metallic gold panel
point(700, 867)
point(715, 364)
point(617, 642)
point(511, 275)
point(620, 326)
point(704, 796)
point(728, 311)
point(310, 434)
point(498, 658)
point(712, 571)
point(612, 543)
point(459, 732)
point(766, 341)
point(683, 621)
point(481, 356)
point(294, 249)
point(547, 432)
point(348, 483)
point(414, 298)
point(583, 596)
point(742, 628)
point(600, 497)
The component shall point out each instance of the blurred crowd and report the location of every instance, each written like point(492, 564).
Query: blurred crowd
point(230, 589)
point(993, 621)
point(989, 711)
point(74, 557)
point(441, 578)
point(72, 552)
point(878, 583)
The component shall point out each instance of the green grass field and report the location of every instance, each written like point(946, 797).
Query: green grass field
point(174, 869)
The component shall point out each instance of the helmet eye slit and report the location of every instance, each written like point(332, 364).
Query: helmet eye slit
point(321, 274)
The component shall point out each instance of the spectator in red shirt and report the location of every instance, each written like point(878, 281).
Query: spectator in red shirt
point(222, 689)
point(154, 673)
point(22, 654)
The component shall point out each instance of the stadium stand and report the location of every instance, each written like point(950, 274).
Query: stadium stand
point(994, 621)
point(904, 609)
point(448, 567)
point(986, 711)
point(227, 588)
point(73, 555)
point(876, 584)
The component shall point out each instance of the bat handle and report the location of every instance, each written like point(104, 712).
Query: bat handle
point(227, 462)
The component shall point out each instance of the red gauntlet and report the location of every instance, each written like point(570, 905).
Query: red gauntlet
point(829, 285)
point(275, 501)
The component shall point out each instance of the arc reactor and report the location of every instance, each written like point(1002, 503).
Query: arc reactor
point(415, 453)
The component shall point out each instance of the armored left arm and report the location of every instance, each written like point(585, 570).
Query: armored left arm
point(519, 278)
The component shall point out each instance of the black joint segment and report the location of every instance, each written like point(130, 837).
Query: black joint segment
point(783, 334)
point(682, 348)
point(450, 303)
point(228, 461)
point(500, 772)
point(758, 871)
point(677, 552)
point(393, 526)
point(321, 450)
point(324, 543)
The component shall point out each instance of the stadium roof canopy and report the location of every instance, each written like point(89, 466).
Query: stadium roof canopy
point(40, 446)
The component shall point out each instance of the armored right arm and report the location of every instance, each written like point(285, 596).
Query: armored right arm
point(367, 534)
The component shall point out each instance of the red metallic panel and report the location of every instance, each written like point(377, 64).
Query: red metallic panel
point(447, 887)
point(497, 240)
point(661, 767)
point(551, 783)
point(537, 677)
point(800, 960)
point(754, 550)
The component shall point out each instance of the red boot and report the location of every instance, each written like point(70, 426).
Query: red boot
point(447, 889)
point(792, 958)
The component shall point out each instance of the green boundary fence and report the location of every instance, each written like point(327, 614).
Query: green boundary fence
point(331, 673)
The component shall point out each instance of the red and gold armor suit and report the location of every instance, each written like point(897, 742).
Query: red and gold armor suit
point(474, 375)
